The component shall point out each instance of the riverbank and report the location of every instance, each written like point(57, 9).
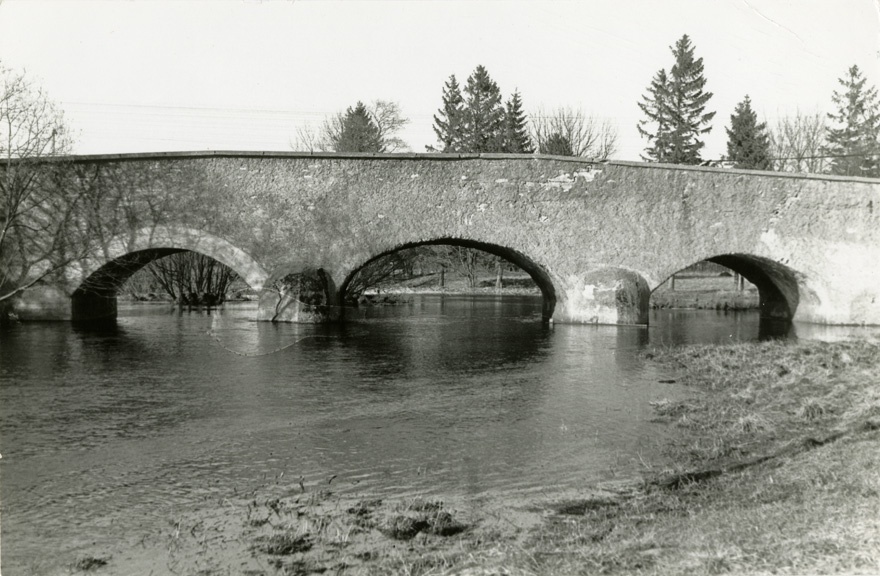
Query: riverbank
point(689, 292)
point(774, 470)
point(512, 284)
point(705, 293)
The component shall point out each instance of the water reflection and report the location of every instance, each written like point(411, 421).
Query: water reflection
point(680, 327)
point(835, 333)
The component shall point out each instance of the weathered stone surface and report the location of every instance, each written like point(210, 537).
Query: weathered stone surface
point(597, 237)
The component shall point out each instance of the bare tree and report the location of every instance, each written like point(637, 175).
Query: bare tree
point(390, 120)
point(565, 130)
point(308, 139)
point(796, 143)
point(394, 267)
point(40, 230)
point(410, 263)
point(192, 278)
point(467, 262)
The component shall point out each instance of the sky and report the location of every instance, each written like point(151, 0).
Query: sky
point(146, 76)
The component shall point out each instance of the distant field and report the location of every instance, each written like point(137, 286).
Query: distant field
point(705, 292)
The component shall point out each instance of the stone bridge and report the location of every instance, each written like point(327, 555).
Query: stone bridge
point(597, 238)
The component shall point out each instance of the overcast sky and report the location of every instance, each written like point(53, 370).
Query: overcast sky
point(243, 75)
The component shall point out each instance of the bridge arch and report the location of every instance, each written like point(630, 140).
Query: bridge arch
point(535, 270)
point(99, 279)
point(779, 286)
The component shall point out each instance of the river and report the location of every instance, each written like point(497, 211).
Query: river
point(108, 435)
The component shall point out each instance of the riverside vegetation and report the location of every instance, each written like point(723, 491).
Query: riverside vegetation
point(774, 471)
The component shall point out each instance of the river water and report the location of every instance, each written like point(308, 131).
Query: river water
point(107, 434)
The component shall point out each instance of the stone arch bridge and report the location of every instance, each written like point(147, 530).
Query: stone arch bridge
point(596, 237)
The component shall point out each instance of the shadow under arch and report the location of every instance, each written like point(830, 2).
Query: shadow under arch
point(540, 276)
point(94, 299)
point(777, 284)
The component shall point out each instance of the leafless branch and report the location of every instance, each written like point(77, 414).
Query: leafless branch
point(587, 136)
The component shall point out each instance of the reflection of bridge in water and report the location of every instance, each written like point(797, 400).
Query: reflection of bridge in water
point(597, 238)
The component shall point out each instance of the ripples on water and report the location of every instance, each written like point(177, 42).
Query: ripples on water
point(106, 434)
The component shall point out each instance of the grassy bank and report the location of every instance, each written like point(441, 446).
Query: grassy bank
point(775, 470)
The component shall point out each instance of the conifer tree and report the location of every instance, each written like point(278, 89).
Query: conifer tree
point(357, 132)
point(655, 105)
point(854, 143)
point(748, 144)
point(483, 128)
point(448, 126)
point(556, 144)
point(675, 105)
point(516, 132)
point(478, 121)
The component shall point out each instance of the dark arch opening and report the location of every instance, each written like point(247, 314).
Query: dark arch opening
point(777, 286)
point(96, 298)
point(540, 276)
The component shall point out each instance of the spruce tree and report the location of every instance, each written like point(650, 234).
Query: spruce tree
point(516, 132)
point(655, 105)
point(478, 121)
point(675, 105)
point(448, 126)
point(357, 132)
point(748, 144)
point(854, 144)
point(483, 129)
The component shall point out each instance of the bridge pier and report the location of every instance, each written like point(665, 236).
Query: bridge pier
point(607, 296)
point(93, 306)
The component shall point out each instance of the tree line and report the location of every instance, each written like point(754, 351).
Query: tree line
point(676, 118)
point(473, 119)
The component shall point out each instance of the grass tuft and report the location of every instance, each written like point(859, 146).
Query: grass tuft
point(417, 516)
point(283, 544)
